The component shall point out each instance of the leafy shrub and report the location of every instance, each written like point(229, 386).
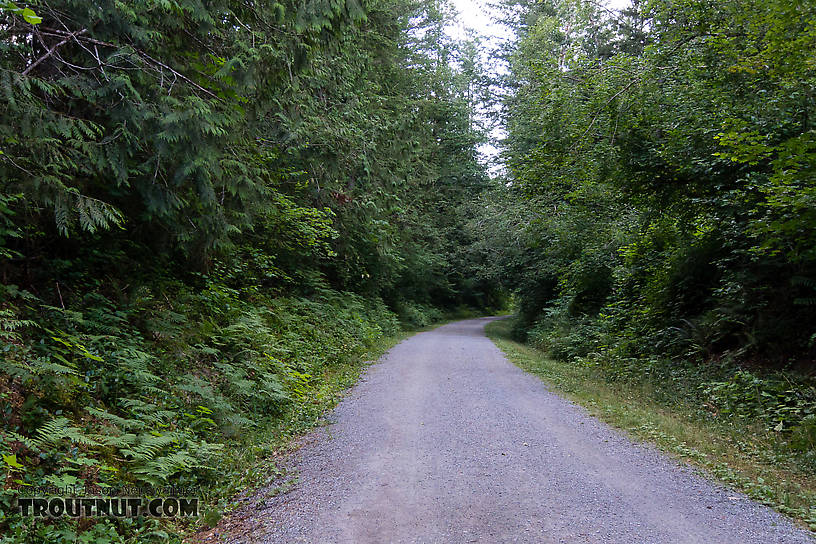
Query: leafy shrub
point(562, 336)
point(415, 315)
point(780, 401)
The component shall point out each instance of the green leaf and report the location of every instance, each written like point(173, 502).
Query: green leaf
point(31, 17)
point(11, 460)
point(64, 480)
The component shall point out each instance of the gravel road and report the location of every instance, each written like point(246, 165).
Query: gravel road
point(445, 441)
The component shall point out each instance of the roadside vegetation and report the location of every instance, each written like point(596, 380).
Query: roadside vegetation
point(657, 225)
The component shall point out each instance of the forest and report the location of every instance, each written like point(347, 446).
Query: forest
point(211, 210)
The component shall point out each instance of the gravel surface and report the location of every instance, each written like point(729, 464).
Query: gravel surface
point(446, 441)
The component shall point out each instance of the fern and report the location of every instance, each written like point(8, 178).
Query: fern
point(804, 282)
point(150, 412)
point(10, 325)
point(51, 435)
point(159, 471)
point(239, 420)
point(120, 422)
point(44, 366)
point(144, 447)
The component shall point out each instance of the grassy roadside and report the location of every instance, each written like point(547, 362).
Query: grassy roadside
point(735, 452)
point(255, 466)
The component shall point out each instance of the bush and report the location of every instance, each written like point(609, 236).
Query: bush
point(415, 315)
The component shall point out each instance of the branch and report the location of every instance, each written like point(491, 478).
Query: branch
point(178, 74)
point(139, 52)
point(598, 112)
point(51, 51)
point(57, 32)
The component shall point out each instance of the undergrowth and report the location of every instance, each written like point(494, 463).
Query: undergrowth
point(177, 385)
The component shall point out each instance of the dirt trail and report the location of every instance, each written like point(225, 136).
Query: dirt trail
point(445, 441)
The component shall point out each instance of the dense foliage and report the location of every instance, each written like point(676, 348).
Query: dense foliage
point(659, 219)
point(205, 205)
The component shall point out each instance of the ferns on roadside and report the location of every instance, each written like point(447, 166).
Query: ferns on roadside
point(159, 410)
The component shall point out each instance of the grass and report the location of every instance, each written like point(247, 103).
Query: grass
point(738, 453)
